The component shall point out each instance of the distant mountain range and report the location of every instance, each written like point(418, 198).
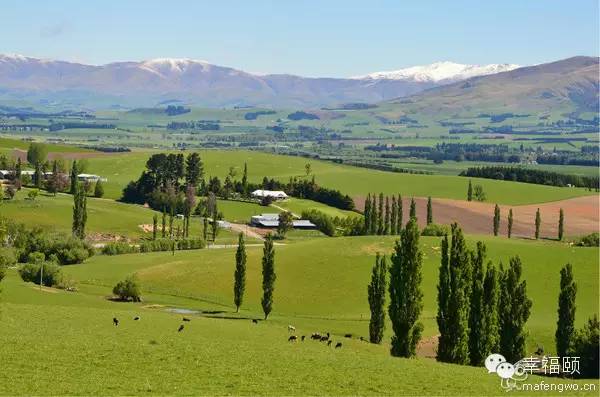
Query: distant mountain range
point(441, 72)
point(192, 82)
point(568, 85)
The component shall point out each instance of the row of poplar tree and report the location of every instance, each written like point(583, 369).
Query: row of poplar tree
point(481, 309)
point(383, 216)
point(538, 223)
point(268, 274)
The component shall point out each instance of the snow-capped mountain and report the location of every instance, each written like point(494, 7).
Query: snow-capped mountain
point(195, 82)
point(441, 72)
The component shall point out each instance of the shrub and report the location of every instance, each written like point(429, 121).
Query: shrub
point(585, 345)
point(323, 222)
point(164, 244)
point(67, 250)
point(118, 248)
point(591, 240)
point(128, 289)
point(433, 229)
point(52, 274)
point(7, 258)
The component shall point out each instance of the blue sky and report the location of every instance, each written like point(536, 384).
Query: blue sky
point(311, 38)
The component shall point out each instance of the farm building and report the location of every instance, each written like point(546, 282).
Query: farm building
point(276, 194)
point(90, 178)
point(272, 221)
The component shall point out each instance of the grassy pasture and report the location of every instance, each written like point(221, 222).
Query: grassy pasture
point(122, 168)
point(60, 343)
point(323, 281)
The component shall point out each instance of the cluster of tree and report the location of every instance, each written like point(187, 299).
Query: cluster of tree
point(54, 247)
point(193, 125)
point(173, 110)
point(475, 192)
point(300, 115)
point(384, 216)
point(385, 167)
point(254, 115)
point(65, 125)
point(268, 274)
point(406, 296)
point(480, 310)
point(531, 176)
point(309, 189)
point(569, 158)
point(165, 180)
point(381, 218)
point(335, 226)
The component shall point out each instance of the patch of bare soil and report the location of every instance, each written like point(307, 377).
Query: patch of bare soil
point(427, 347)
point(581, 215)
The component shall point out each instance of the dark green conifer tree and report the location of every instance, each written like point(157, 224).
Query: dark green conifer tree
point(406, 297)
point(376, 292)
point(565, 326)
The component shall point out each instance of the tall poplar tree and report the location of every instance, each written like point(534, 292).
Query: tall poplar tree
point(538, 222)
point(376, 291)
point(406, 297)
point(79, 212)
point(490, 333)
point(399, 220)
point(443, 298)
point(477, 348)
point(514, 308)
point(367, 214)
point(164, 223)
point(380, 215)
point(561, 225)
point(394, 217)
point(510, 222)
point(239, 275)
point(374, 215)
point(386, 221)
point(457, 320)
point(429, 211)
point(470, 192)
point(413, 209)
point(74, 181)
point(154, 226)
point(268, 276)
point(496, 220)
point(565, 326)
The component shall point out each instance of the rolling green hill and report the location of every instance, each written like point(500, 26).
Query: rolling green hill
point(122, 168)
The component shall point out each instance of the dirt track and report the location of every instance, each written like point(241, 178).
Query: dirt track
point(581, 215)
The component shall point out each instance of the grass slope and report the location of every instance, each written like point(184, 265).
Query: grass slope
point(60, 343)
point(323, 281)
point(120, 169)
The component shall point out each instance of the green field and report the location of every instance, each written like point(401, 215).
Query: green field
point(66, 343)
point(120, 169)
point(325, 280)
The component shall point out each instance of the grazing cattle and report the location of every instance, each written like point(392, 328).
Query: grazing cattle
point(254, 321)
point(136, 318)
point(115, 321)
point(348, 336)
point(292, 338)
point(316, 336)
point(361, 338)
point(180, 328)
point(324, 338)
point(303, 336)
point(338, 345)
point(329, 343)
point(539, 351)
point(291, 328)
point(186, 319)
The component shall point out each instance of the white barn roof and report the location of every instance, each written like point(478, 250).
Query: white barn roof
point(269, 193)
